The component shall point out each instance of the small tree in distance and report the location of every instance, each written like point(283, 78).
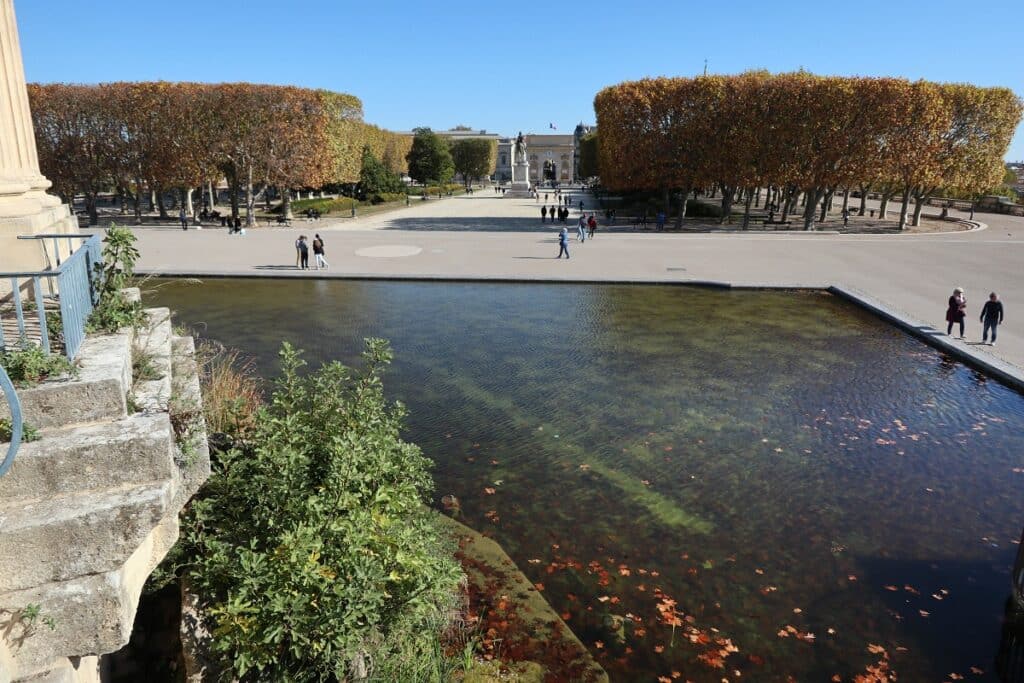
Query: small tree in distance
point(472, 158)
point(429, 158)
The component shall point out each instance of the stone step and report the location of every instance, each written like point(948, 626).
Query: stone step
point(192, 451)
point(77, 534)
point(98, 392)
point(65, 670)
point(91, 614)
point(153, 342)
point(91, 458)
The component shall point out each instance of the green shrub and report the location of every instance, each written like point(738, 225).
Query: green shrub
point(313, 550)
point(28, 432)
point(28, 364)
point(383, 197)
point(324, 206)
point(113, 310)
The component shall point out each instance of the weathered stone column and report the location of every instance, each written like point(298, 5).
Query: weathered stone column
point(25, 208)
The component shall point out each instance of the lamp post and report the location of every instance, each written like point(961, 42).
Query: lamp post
point(353, 200)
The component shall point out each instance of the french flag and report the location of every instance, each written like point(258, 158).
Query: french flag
point(552, 126)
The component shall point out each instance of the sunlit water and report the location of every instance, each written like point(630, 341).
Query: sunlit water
point(809, 485)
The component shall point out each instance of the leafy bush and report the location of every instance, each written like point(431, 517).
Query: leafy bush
point(28, 432)
point(383, 197)
point(324, 206)
point(113, 310)
point(28, 364)
point(312, 549)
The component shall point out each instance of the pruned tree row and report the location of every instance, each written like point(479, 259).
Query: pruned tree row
point(142, 140)
point(801, 134)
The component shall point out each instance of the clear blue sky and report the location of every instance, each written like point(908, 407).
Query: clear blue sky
point(506, 66)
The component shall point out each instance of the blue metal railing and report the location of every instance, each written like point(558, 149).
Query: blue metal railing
point(69, 280)
point(16, 422)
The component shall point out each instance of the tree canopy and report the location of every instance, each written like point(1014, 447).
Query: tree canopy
point(429, 158)
point(473, 158)
point(804, 134)
point(156, 136)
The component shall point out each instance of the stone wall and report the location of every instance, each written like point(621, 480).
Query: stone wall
point(90, 509)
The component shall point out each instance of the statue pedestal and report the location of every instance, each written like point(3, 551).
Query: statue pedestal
point(520, 181)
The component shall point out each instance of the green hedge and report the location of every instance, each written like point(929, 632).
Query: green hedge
point(324, 206)
point(383, 197)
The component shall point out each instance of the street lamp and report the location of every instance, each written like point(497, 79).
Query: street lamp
point(353, 200)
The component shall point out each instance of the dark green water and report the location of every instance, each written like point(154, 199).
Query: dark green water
point(766, 460)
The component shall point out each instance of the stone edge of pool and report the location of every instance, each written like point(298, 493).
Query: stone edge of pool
point(1004, 372)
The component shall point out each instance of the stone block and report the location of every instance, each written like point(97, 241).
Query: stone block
point(77, 534)
point(97, 393)
point(154, 343)
point(96, 457)
point(92, 614)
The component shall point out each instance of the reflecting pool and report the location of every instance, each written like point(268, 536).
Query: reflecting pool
point(704, 482)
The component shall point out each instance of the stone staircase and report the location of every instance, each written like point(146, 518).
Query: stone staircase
point(90, 509)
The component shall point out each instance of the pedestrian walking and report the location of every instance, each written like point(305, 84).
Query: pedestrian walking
point(846, 217)
point(563, 243)
point(298, 251)
point(581, 229)
point(956, 311)
point(183, 217)
point(545, 196)
point(318, 253)
point(581, 205)
point(303, 253)
point(991, 317)
point(544, 214)
point(592, 224)
point(660, 220)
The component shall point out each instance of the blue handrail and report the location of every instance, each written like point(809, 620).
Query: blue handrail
point(75, 289)
point(16, 421)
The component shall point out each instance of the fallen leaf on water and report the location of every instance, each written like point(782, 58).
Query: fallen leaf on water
point(599, 645)
point(891, 588)
point(659, 648)
point(489, 491)
point(534, 561)
point(539, 586)
point(783, 633)
point(924, 613)
point(759, 571)
point(797, 610)
point(875, 649)
point(976, 671)
point(603, 598)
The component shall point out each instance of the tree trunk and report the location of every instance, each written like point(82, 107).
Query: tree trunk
point(727, 196)
point(757, 198)
point(160, 204)
point(138, 201)
point(233, 192)
point(190, 209)
point(250, 199)
point(811, 199)
point(152, 200)
point(122, 193)
point(864, 189)
point(666, 201)
point(904, 206)
point(90, 207)
point(286, 204)
point(211, 196)
point(684, 197)
point(883, 208)
point(920, 199)
point(846, 199)
point(746, 209)
point(785, 200)
point(826, 205)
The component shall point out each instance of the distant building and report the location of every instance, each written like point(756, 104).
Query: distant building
point(551, 157)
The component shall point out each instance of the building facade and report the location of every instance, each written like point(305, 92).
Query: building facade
point(553, 158)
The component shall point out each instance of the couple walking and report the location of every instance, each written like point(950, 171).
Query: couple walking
point(991, 314)
point(302, 253)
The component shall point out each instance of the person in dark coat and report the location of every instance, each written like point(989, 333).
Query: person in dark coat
point(544, 214)
point(956, 311)
point(991, 317)
point(303, 253)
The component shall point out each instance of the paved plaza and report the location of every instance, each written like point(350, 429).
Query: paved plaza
point(486, 237)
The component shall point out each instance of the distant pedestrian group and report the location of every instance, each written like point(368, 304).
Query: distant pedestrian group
point(991, 315)
point(302, 253)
